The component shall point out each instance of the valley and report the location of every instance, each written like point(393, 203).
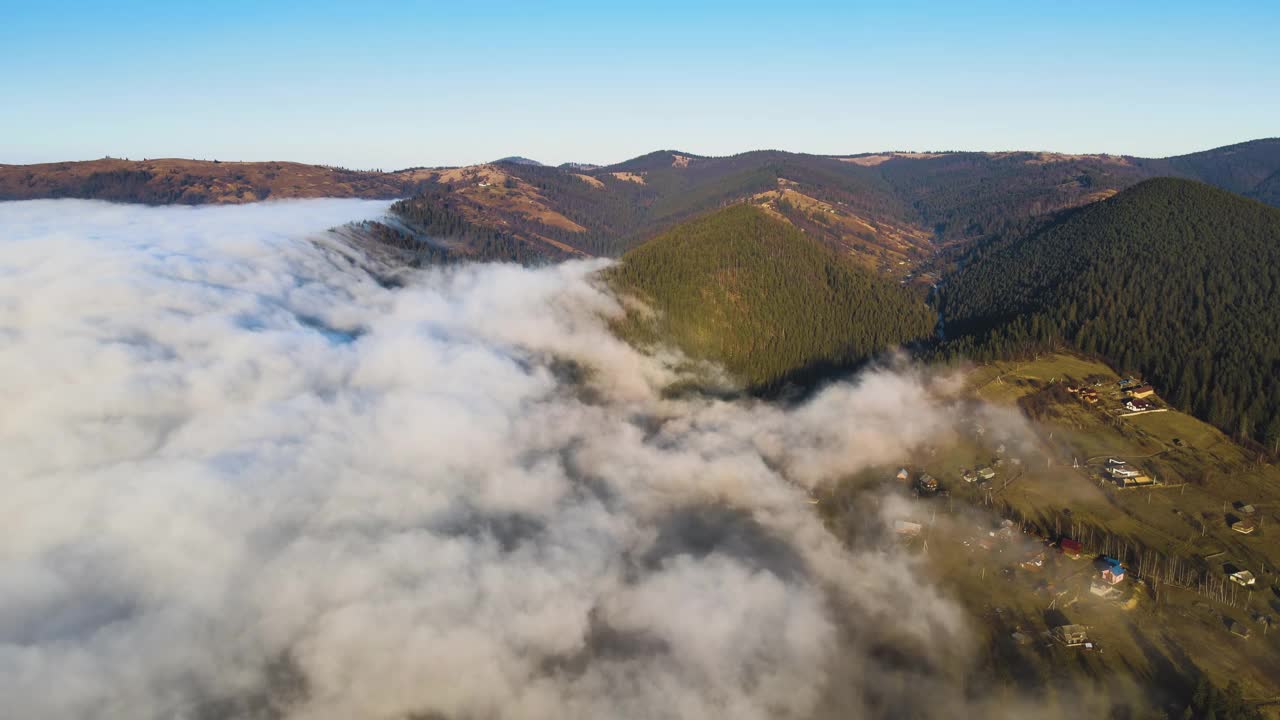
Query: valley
point(1090, 480)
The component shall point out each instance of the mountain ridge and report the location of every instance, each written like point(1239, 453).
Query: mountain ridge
point(892, 211)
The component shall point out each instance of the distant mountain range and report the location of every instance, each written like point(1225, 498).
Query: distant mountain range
point(891, 211)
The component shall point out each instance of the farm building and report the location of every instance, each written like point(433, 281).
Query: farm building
point(1135, 481)
point(1142, 391)
point(1071, 548)
point(1070, 635)
point(1244, 527)
point(986, 473)
point(1238, 629)
point(907, 529)
point(1243, 578)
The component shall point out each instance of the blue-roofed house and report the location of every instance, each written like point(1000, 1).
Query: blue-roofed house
point(1113, 572)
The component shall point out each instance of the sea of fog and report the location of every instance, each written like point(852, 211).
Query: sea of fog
point(243, 476)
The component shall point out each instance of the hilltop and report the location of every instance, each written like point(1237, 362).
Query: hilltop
point(1171, 278)
point(752, 293)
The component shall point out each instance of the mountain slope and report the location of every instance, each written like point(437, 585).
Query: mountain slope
point(1171, 278)
point(751, 292)
point(1248, 168)
point(194, 182)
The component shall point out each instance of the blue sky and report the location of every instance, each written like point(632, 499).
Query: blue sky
point(396, 84)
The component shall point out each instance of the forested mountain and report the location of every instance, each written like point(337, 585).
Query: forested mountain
point(969, 195)
point(1171, 278)
point(1251, 169)
point(518, 160)
point(751, 292)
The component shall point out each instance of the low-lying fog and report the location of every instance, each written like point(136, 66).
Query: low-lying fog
point(243, 478)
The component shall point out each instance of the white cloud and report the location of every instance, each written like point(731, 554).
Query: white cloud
point(244, 478)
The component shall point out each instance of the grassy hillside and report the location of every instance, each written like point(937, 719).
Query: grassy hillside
point(1173, 279)
point(1170, 626)
point(751, 292)
point(194, 182)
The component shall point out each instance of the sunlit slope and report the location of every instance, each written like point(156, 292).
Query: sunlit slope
point(751, 292)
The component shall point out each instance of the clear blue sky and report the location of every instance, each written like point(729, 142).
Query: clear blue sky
point(395, 84)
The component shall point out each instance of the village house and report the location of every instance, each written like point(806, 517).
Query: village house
point(1138, 405)
point(986, 472)
point(1113, 572)
point(1238, 629)
point(927, 484)
point(903, 475)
